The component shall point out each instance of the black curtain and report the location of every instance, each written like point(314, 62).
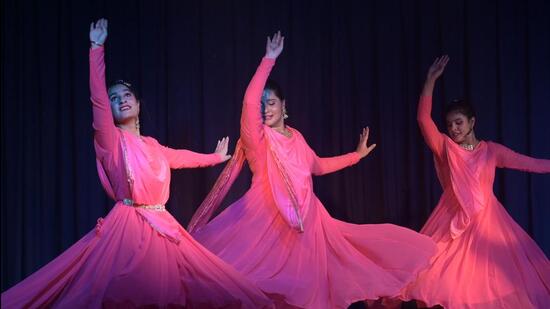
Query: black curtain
point(346, 64)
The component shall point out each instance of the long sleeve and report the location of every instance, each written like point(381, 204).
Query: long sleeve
point(105, 129)
point(251, 118)
point(182, 158)
point(322, 166)
point(431, 135)
point(507, 158)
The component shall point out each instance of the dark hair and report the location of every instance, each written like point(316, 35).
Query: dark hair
point(459, 106)
point(128, 85)
point(274, 86)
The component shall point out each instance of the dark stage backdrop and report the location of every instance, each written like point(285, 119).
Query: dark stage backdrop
point(346, 64)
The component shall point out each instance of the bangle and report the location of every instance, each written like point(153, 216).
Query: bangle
point(96, 43)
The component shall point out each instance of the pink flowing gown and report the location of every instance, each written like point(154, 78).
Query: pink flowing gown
point(484, 259)
point(331, 264)
point(138, 255)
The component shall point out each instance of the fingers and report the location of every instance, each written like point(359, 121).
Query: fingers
point(364, 136)
point(371, 148)
point(222, 148)
point(277, 37)
point(276, 40)
point(101, 23)
point(222, 144)
point(442, 61)
point(363, 147)
point(445, 60)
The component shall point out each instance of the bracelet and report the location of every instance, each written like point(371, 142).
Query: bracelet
point(96, 43)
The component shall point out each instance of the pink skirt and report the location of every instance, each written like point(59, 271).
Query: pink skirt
point(330, 265)
point(493, 264)
point(126, 263)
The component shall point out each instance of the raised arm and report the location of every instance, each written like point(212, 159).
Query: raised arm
point(251, 117)
point(507, 158)
point(182, 158)
point(322, 166)
point(431, 135)
point(105, 129)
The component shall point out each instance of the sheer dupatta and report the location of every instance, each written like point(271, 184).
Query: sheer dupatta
point(280, 184)
point(222, 185)
point(464, 167)
point(161, 221)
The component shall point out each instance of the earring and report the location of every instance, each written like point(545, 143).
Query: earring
point(285, 115)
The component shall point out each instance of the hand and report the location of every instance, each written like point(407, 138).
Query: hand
point(362, 149)
point(274, 47)
point(437, 67)
point(98, 32)
point(221, 148)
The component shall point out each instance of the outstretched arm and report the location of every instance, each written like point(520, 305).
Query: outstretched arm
point(507, 158)
point(182, 158)
point(105, 130)
point(431, 135)
point(322, 166)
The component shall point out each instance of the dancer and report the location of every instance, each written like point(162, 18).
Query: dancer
point(484, 259)
point(280, 235)
point(138, 255)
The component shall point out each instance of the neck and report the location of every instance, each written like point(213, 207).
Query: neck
point(470, 139)
point(279, 127)
point(130, 126)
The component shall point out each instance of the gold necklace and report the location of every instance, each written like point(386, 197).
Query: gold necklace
point(469, 147)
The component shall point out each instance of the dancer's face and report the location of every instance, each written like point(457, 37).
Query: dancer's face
point(272, 109)
point(124, 104)
point(459, 126)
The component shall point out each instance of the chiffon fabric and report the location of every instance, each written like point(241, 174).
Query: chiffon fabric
point(138, 256)
point(484, 259)
point(282, 238)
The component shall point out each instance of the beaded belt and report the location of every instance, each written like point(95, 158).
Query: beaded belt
point(157, 207)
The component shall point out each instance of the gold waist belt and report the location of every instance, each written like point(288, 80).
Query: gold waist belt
point(157, 207)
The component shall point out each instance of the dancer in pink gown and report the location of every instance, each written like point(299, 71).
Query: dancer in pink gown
point(280, 235)
point(138, 255)
point(484, 259)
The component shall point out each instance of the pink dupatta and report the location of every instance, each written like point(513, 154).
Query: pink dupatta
point(280, 183)
point(162, 222)
point(464, 177)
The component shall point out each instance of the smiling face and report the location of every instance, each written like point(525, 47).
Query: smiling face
point(124, 104)
point(459, 126)
point(272, 109)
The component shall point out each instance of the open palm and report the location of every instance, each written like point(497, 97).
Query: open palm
point(274, 46)
point(437, 67)
point(363, 149)
point(98, 31)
